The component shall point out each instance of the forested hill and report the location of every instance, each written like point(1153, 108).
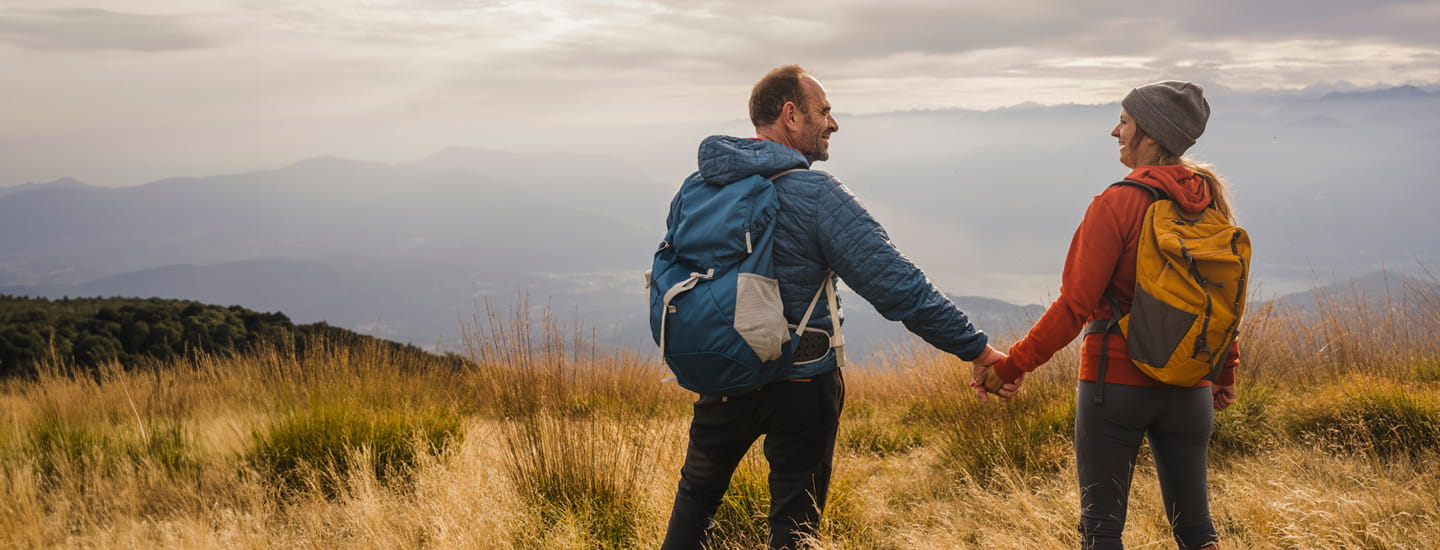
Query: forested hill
point(88, 332)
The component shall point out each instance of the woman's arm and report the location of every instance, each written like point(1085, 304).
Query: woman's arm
point(1090, 264)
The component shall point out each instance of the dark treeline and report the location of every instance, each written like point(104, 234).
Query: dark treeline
point(87, 332)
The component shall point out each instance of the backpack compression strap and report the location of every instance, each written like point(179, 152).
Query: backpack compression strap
point(837, 340)
point(1106, 326)
point(674, 291)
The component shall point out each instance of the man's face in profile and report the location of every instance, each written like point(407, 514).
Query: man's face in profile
point(818, 124)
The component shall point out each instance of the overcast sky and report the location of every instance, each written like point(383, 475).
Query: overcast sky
point(121, 93)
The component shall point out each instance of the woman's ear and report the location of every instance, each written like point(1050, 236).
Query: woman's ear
point(1151, 149)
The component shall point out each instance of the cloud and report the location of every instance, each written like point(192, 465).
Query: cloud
point(95, 29)
point(1410, 22)
point(1040, 47)
point(408, 75)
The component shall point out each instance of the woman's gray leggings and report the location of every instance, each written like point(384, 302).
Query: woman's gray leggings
point(1177, 422)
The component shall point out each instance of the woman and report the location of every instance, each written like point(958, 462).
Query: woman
point(1158, 123)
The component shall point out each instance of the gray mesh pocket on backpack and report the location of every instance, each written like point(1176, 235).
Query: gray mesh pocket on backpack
point(760, 316)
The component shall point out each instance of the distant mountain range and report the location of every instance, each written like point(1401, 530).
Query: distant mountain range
point(425, 304)
point(1378, 291)
point(406, 252)
point(449, 208)
point(1387, 94)
point(985, 202)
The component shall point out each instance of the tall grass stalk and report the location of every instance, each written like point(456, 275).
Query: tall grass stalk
point(585, 470)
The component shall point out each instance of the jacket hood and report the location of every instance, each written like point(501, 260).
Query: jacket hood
point(1188, 190)
point(725, 159)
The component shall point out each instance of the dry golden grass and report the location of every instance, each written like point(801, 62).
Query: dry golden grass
point(562, 446)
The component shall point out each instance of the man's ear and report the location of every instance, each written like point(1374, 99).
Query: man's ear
point(790, 114)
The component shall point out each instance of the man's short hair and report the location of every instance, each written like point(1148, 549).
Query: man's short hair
point(770, 94)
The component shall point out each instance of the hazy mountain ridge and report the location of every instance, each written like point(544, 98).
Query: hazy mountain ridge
point(1383, 94)
point(416, 302)
point(425, 304)
point(1378, 291)
point(314, 208)
point(1347, 197)
point(984, 201)
point(62, 183)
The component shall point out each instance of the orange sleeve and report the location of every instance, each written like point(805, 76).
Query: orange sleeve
point(1095, 250)
point(1232, 360)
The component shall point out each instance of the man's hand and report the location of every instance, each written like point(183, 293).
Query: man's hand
point(979, 369)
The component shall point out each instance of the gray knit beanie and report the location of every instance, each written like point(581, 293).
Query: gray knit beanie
point(1171, 112)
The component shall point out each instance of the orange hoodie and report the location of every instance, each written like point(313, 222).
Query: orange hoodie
point(1101, 260)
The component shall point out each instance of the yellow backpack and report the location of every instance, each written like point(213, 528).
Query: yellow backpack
point(1190, 279)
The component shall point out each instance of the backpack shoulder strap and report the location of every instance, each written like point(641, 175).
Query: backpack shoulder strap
point(1155, 192)
point(1112, 325)
point(781, 173)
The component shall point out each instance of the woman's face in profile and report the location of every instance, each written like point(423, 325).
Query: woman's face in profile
point(1125, 132)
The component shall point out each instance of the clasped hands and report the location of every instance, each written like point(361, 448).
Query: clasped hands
point(987, 381)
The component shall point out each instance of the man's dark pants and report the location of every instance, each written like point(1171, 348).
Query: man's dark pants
point(799, 420)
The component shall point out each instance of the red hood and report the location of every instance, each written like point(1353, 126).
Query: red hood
point(1186, 188)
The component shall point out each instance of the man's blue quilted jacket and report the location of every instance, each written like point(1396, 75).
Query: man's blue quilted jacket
point(821, 226)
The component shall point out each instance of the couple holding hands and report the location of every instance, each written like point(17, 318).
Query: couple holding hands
point(822, 229)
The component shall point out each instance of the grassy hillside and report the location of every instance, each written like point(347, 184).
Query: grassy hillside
point(545, 443)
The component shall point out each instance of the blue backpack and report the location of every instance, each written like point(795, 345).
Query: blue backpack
point(715, 308)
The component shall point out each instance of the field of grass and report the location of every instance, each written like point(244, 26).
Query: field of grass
point(549, 443)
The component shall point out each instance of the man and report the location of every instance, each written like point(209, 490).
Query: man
point(820, 228)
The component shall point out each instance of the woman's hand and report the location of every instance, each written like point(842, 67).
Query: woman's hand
point(1222, 396)
point(986, 381)
point(996, 385)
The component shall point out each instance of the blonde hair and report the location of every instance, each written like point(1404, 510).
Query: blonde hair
point(1219, 191)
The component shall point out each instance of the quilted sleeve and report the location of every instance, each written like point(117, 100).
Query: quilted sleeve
point(860, 252)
